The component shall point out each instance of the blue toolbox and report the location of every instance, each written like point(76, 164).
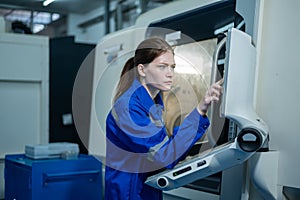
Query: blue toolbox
point(60, 179)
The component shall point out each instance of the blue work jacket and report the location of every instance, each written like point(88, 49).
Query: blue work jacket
point(138, 144)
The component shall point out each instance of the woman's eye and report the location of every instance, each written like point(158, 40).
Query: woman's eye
point(162, 66)
point(166, 67)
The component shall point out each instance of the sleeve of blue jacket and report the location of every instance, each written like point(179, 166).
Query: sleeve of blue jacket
point(142, 130)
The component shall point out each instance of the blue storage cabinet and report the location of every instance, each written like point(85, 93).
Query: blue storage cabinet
point(59, 179)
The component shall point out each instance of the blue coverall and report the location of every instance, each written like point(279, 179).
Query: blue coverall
point(138, 144)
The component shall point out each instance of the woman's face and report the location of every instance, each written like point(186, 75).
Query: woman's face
point(159, 73)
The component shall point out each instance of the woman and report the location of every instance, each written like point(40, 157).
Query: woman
point(138, 144)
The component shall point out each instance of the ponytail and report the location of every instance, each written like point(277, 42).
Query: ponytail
point(128, 66)
point(127, 76)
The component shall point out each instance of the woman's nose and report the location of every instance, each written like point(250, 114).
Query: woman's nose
point(170, 72)
point(170, 69)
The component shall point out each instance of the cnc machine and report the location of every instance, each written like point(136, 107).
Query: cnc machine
point(249, 143)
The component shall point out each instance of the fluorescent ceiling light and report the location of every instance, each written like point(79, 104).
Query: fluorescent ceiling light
point(47, 2)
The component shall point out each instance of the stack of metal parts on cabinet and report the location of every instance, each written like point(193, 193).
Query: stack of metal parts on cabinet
point(52, 150)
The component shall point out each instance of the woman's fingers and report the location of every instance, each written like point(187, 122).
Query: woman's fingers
point(220, 82)
point(216, 90)
point(211, 95)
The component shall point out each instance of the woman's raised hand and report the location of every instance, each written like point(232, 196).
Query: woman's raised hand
point(212, 95)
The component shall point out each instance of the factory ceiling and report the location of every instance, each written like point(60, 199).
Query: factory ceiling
point(36, 15)
point(63, 6)
point(58, 6)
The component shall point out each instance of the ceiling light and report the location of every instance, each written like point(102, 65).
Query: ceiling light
point(47, 2)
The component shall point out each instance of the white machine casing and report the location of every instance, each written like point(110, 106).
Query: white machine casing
point(239, 77)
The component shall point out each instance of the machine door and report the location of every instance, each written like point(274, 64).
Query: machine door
point(237, 105)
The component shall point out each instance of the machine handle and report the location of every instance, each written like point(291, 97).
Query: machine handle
point(64, 176)
point(215, 59)
point(213, 80)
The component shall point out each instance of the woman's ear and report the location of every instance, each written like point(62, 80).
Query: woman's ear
point(141, 70)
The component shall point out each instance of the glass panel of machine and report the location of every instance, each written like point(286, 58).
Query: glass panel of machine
point(193, 74)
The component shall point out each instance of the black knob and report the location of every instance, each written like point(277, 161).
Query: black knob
point(162, 182)
point(249, 139)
